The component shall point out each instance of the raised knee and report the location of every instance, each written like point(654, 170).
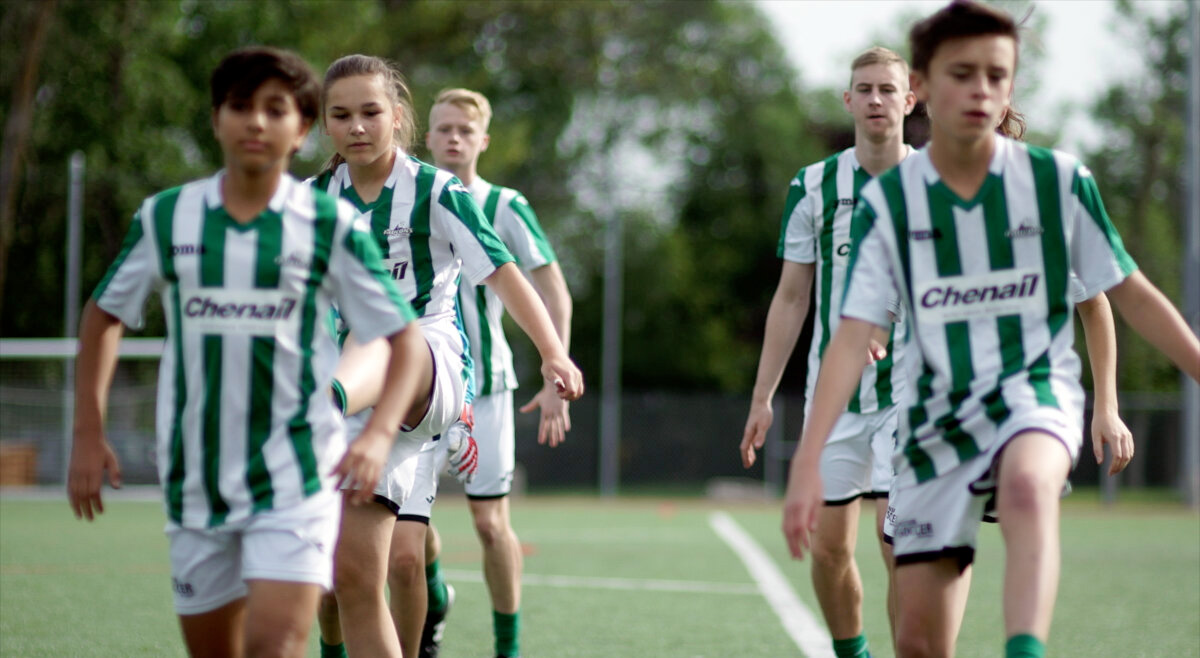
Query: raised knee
point(1027, 490)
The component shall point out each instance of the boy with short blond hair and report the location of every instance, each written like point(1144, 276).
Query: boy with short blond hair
point(458, 135)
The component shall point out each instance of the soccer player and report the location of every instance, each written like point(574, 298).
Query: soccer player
point(458, 135)
point(431, 232)
point(979, 235)
point(815, 242)
point(245, 262)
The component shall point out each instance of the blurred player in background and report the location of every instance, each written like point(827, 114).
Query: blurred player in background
point(815, 242)
point(458, 135)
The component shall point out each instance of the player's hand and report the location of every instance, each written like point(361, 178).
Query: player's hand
point(800, 507)
point(359, 470)
point(91, 458)
point(565, 376)
point(757, 423)
point(462, 458)
point(876, 352)
point(1109, 428)
point(556, 416)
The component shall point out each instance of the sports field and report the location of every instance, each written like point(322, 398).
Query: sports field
point(632, 577)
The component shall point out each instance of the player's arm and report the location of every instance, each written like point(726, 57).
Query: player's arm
point(1095, 315)
point(551, 287)
point(841, 368)
point(364, 459)
point(785, 320)
point(91, 455)
point(1153, 316)
point(530, 314)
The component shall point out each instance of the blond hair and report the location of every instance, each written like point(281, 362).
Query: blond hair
point(472, 102)
point(879, 55)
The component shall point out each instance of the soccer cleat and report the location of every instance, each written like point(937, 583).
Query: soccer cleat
point(435, 627)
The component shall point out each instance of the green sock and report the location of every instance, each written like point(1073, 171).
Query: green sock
point(855, 647)
point(437, 586)
point(507, 629)
point(1024, 646)
point(333, 650)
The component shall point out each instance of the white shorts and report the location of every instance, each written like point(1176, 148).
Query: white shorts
point(494, 433)
point(940, 517)
point(856, 461)
point(210, 567)
point(404, 476)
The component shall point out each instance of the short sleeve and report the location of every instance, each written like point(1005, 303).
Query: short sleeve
point(131, 277)
point(518, 226)
point(1098, 256)
point(365, 296)
point(871, 288)
point(459, 219)
point(797, 239)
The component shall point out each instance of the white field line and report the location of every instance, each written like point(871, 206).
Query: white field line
point(805, 630)
point(643, 584)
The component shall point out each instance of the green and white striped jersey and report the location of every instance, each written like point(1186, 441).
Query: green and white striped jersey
point(517, 225)
point(244, 420)
point(816, 229)
point(430, 230)
point(986, 286)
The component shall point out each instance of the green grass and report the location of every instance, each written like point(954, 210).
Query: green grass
point(1130, 584)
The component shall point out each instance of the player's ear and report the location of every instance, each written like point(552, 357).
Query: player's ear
point(916, 83)
point(846, 100)
point(305, 126)
point(910, 102)
point(483, 144)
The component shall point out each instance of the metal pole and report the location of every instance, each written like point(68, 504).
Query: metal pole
point(610, 396)
point(1189, 466)
point(75, 174)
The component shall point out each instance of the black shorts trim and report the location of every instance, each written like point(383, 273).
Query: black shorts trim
point(413, 517)
point(388, 503)
point(888, 539)
point(963, 555)
point(875, 495)
point(488, 497)
point(843, 501)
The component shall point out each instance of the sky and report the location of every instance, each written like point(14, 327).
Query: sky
point(1083, 54)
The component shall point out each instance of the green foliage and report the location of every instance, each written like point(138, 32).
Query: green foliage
point(683, 119)
point(1139, 169)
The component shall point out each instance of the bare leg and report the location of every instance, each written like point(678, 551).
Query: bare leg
point(278, 618)
point(406, 581)
point(328, 619)
point(835, 573)
point(433, 544)
point(502, 559)
point(1033, 468)
point(216, 632)
point(889, 563)
point(930, 599)
point(360, 568)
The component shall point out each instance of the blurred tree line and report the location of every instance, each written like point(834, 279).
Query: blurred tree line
point(684, 119)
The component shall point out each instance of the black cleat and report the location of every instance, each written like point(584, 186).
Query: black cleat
point(435, 628)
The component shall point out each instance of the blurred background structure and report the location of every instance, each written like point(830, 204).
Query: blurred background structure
point(656, 141)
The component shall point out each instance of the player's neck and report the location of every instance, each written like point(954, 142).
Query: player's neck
point(878, 157)
point(368, 179)
point(465, 173)
point(245, 193)
point(962, 164)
